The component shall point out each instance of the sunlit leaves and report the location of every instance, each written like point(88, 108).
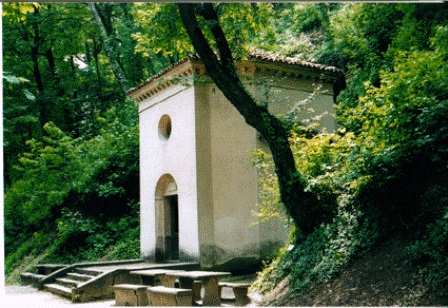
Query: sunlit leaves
point(269, 206)
point(18, 11)
point(161, 30)
point(399, 121)
point(246, 24)
point(397, 113)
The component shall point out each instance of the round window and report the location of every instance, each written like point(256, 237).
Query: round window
point(165, 127)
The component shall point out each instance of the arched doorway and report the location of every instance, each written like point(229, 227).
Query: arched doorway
point(167, 219)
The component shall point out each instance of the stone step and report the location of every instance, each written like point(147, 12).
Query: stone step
point(30, 278)
point(47, 269)
point(58, 289)
point(89, 272)
point(80, 277)
point(67, 282)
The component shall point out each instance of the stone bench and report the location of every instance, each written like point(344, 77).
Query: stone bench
point(130, 295)
point(240, 290)
point(164, 296)
point(156, 277)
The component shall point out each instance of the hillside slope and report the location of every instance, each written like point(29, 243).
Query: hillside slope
point(382, 277)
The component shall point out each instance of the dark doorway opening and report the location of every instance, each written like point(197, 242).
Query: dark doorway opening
point(173, 239)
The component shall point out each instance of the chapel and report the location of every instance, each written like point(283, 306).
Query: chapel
point(198, 185)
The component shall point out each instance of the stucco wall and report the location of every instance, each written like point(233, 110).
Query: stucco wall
point(281, 95)
point(227, 180)
point(175, 156)
point(205, 176)
point(231, 192)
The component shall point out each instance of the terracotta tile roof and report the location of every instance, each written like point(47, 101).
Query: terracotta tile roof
point(276, 58)
point(256, 55)
point(161, 73)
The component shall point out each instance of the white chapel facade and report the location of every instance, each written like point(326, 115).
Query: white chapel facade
point(198, 186)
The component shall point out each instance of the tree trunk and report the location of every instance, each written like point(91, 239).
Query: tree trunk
point(298, 203)
point(35, 52)
point(118, 71)
point(96, 51)
point(105, 13)
point(54, 73)
point(43, 114)
point(36, 70)
point(92, 63)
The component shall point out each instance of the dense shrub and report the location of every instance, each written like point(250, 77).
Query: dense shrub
point(385, 170)
point(82, 184)
point(430, 253)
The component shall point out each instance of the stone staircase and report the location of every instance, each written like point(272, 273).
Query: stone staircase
point(64, 286)
point(42, 270)
point(87, 282)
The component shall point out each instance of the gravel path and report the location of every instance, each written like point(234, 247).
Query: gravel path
point(26, 296)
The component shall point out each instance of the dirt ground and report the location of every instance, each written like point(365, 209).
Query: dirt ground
point(383, 277)
point(29, 297)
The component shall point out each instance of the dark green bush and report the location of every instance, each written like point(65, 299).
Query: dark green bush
point(82, 184)
point(385, 170)
point(430, 253)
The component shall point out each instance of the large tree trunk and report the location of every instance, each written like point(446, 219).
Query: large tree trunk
point(299, 204)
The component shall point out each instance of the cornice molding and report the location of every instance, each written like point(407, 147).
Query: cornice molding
point(257, 63)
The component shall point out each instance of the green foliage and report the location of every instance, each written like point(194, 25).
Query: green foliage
point(385, 170)
point(128, 246)
point(58, 48)
point(161, 31)
point(246, 25)
point(71, 139)
point(20, 121)
point(268, 192)
point(80, 183)
point(403, 122)
point(431, 251)
point(82, 239)
point(30, 201)
point(296, 29)
point(322, 255)
point(163, 35)
point(333, 166)
point(33, 246)
point(362, 31)
point(73, 232)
